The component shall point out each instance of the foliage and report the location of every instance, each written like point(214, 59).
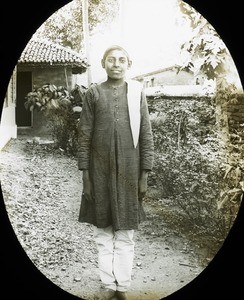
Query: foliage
point(187, 161)
point(232, 185)
point(65, 26)
point(48, 97)
point(205, 52)
point(62, 110)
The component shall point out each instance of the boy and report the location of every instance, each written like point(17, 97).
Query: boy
point(115, 154)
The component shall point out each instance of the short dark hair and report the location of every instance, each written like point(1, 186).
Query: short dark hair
point(115, 47)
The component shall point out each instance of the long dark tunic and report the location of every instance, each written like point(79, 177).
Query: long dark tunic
point(106, 150)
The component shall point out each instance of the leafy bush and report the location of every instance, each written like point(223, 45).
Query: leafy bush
point(187, 163)
point(62, 109)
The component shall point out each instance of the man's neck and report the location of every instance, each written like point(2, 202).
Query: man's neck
point(115, 82)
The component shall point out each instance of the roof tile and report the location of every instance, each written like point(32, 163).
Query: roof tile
point(43, 52)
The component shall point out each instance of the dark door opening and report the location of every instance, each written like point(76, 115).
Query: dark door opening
point(24, 86)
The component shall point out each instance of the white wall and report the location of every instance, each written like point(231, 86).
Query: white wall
point(8, 127)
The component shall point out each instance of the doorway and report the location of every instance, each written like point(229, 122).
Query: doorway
point(24, 86)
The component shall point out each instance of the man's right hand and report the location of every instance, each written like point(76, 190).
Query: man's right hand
point(87, 186)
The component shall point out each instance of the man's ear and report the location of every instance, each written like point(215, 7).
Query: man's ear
point(129, 64)
point(102, 63)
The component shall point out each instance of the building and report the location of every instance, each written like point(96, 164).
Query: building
point(41, 62)
point(166, 76)
point(174, 82)
point(8, 127)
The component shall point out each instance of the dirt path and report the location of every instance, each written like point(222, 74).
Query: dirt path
point(42, 189)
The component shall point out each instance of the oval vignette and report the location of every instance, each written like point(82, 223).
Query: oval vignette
point(187, 201)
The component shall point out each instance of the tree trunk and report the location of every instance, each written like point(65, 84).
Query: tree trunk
point(86, 38)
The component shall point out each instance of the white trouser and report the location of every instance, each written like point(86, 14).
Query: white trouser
point(115, 257)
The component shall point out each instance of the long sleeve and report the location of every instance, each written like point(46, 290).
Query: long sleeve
point(85, 130)
point(146, 137)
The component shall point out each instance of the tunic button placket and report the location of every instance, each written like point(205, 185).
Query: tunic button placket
point(116, 107)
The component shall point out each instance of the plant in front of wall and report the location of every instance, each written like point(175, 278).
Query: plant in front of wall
point(62, 110)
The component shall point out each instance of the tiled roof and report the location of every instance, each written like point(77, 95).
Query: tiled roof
point(158, 71)
point(42, 52)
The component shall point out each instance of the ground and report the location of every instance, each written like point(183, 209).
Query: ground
point(42, 189)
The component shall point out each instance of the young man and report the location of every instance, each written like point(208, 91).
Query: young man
point(115, 154)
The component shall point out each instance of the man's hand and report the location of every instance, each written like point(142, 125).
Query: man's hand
point(142, 185)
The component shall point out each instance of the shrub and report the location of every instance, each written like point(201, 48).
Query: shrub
point(62, 109)
point(187, 166)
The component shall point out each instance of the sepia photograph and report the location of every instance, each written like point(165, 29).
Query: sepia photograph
point(121, 151)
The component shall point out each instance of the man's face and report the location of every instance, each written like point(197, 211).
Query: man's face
point(116, 64)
